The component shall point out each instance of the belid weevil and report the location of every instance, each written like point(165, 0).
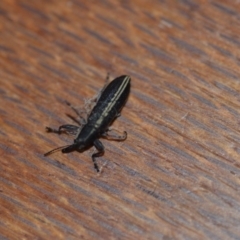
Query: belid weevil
point(107, 108)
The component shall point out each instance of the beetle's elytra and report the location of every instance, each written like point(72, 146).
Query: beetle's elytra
point(97, 125)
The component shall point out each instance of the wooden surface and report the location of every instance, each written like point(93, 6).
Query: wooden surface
point(177, 176)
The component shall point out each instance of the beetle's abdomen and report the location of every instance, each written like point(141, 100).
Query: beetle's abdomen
point(110, 103)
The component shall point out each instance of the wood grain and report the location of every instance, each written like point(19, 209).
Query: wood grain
point(177, 176)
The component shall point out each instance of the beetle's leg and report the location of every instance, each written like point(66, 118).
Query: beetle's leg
point(105, 85)
point(70, 129)
point(99, 146)
point(107, 78)
point(90, 103)
point(67, 128)
point(79, 114)
point(79, 122)
point(113, 134)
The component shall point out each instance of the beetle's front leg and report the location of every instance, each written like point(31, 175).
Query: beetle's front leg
point(113, 134)
point(99, 146)
point(67, 128)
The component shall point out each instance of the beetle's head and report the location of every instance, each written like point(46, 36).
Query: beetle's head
point(77, 145)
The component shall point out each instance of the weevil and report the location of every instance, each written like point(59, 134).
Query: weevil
point(107, 108)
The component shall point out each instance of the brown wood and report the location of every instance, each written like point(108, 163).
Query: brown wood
point(177, 176)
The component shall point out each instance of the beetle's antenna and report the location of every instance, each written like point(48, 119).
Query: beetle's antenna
point(55, 150)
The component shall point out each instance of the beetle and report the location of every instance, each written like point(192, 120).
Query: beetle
point(108, 106)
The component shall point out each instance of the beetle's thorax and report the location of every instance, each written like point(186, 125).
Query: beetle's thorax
point(86, 136)
point(105, 111)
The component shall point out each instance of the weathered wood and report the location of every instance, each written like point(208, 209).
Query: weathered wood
point(177, 174)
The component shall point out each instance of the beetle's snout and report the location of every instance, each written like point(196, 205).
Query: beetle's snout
point(70, 148)
point(73, 147)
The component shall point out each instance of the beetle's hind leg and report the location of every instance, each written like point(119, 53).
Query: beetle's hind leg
point(91, 102)
point(67, 128)
point(81, 120)
point(105, 85)
point(113, 134)
point(99, 146)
